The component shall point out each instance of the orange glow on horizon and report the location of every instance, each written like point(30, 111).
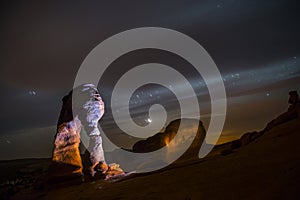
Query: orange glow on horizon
point(167, 141)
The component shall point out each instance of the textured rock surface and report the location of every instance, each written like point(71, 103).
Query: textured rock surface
point(66, 150)
point(89, 108)
point(162, 139)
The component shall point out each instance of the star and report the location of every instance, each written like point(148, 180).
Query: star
point(32, 92)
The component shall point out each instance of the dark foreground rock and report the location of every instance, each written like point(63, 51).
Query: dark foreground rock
point(162, 139)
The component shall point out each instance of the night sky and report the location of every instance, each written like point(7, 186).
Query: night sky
point(255, 44)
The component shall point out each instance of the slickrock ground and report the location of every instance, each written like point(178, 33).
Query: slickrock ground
point(266, 168)
point(260, 165)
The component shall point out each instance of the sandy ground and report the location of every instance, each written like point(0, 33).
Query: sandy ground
point(267, 168)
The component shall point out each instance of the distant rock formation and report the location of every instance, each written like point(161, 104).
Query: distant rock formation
point(294, 97)
point(293, 112)
point(162, 139)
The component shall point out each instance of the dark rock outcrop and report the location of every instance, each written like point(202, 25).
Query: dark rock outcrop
point(249, 137)
point(293, 112)
point(162, 139)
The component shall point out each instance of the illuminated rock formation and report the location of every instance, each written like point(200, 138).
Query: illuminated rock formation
point(66, 160)
point(162, 139)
